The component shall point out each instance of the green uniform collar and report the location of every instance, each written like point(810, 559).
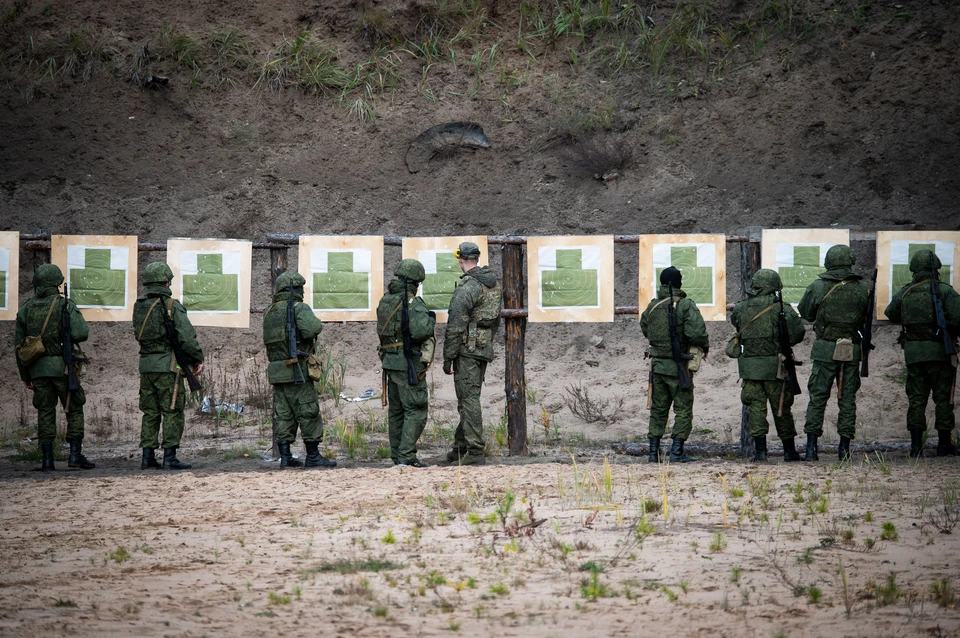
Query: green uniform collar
point(839, 274)
point(157, 290)
point(664, 291)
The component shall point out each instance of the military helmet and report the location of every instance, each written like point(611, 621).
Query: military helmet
point(410, 269)
point(920, 262)
point(766, 281)
point(467, 250)
point(47, 275)
point(671, 276)
point(839, 255)
point(289, 280)
point(157, 273)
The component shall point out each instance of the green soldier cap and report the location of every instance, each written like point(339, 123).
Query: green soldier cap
point(290, 279)
point(467, 250)
point(920, 262)
point(410, 269)
point(157, 273)
point(671, 276)
point(766, 282)
point(838, 256)
point(47, 275)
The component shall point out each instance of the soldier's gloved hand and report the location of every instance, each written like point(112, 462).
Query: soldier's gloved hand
point(448, 366)
point(431, 314)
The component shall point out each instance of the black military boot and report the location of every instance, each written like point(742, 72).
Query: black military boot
point(654, 449)
point(843, 449)
point(676, 452)
point(77, 459)
point(46, 449)
point(945, 446)
point(149, 459)
point(916, 444)
point(314, 458)
point(760, 443)
point(171, 462)
point(812, 454)
point(286, 457)
point(790, 454)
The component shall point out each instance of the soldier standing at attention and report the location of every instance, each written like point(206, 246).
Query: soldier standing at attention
point(162, 393)
point(46, 372)
point(757, 320)
point(472, 323)
point(664, 378)
point(295, 397)
point(929, 368)
point(408, 402)
point(836, 304)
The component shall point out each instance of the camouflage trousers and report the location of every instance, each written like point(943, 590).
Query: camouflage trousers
point(922, 379)
point(297, 405)
point(667, 392)
point(47, 391)
point(823, 376)
point(156, 403)
point(755, 395)
point(407, 415)
point(468, 375)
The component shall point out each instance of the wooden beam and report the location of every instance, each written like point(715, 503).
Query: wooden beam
point(514, 382)
point(749, 264)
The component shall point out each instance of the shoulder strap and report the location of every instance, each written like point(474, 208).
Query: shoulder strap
point(50, 312)
point(145, 319)
point(919, 283)
point(663, 301)
point(387, 322)
point(755, 317)
point(835, 286)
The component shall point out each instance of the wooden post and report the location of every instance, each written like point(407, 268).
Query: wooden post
point(515, 328)
point(749, 264)
point(278, 265)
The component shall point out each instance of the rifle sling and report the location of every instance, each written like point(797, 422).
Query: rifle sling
point(755, 317)
point(47, 320)
point(145, 319)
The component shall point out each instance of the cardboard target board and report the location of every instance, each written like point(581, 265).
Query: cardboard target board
point(441, 266)
point(211, 278)
point(9, 274)
point(344, 276)
point(798, 254)
point(701, 259)
point(894, 250)
point(570, 278)
point(100, 273)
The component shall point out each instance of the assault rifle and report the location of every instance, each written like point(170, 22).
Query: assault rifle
point(788, 361)
point(69, 357)
point(942, 326)
point(293, 350)
point(409, 353)
point(679, 357)
point(183, 362)
point(866, 344)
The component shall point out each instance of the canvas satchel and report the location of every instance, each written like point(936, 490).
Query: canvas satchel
point(32, 348)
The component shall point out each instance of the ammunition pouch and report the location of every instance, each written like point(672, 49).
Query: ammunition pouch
point(694, 364)
point(427, 350)
point(843, 351)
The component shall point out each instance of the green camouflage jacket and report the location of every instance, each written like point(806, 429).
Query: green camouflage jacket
point(275, 337)
point(912, 307)
point(389, 314)
point(156, 353)
point(30, 319)
point(655, 325)
point(837, 316)
point(761, 339)
point(474, 316)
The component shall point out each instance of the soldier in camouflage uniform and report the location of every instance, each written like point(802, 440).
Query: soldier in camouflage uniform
point(836, 304)
point(757, 320)
point(162, 392)
point(472, 323)
point(47, 375)
point(408, 403)
point(295, 399)
point(654, 322)
point(929, 369)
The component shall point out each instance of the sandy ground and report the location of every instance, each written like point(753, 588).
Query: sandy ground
point(238, 549)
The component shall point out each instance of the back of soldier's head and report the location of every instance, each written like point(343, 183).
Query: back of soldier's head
point(46, 276)
point(839, 256)
point(290, 280)
point(411, 270)
point(468, 251)
point(157, 273)
point(671, 277)
point(766, 282)
point(922, 259)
